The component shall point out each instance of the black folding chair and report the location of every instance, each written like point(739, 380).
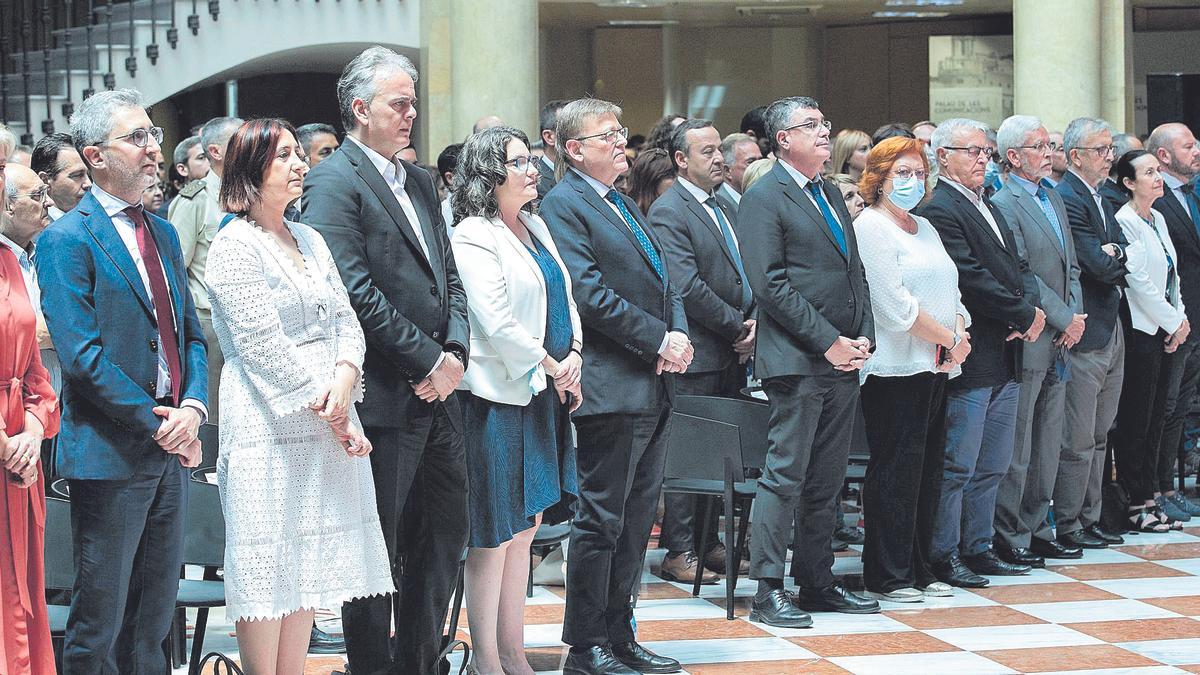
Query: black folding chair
point(546, 539)
point(203, 545)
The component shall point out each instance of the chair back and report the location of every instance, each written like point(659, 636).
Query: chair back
point(60, 546)
point(204, 529)
point(701, 449)
point(210, 445)
point(750, 417)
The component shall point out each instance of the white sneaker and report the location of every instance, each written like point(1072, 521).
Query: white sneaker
point(938, 589)
point(899, 595)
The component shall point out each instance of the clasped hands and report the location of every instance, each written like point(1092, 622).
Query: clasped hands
point(1035, 329)
point(568, 379)
point(676, 356)
point(333, 406)
point(178, 433)
point(20, 453)
point(1177, 338)
point(848, 354)
point(744, 345)
point(442, 381)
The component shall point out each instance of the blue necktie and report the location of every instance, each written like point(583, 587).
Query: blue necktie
point(815, 188)
point(1048, 209)
point(638, 233)
point(734, 253)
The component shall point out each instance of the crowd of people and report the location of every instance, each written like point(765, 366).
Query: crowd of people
point(414, 366)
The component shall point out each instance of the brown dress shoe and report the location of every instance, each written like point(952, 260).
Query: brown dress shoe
point(714, 561)
point(682, 569)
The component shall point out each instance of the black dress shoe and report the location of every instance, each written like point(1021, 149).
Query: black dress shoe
point(598, 660)
point(323, 643)
point(990, 564)
point(1061, 548)
point(849, 534)
point(834, 598)
point(643, 660)
point(952, 571)
point(777, 609)
point(1019, 555)
point(1110, 538)
point(1081, 539)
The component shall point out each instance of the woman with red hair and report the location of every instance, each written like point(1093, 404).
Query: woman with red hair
point(921, 340)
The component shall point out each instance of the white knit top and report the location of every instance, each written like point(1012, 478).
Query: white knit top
point(906, 272)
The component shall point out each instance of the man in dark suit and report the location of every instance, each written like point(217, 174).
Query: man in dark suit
point(547, 119)
point(634, 331)
point(1097, 362)
point(981, 409)
point(1039, 227)
point(1109, 190)
point(380, 217)
point(1178, 154)
point(705, 263)
point(814, 332)
point(114, 291)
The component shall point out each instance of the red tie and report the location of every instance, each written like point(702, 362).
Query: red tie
point(160, 297)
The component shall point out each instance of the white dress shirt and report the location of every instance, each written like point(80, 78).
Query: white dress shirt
point(803, 182)
point(28, 274)
point(979, 205)
point(1179, 189)
point(733, 195)
point(448, 216)
point(703, 197)
point(55, 212)
point(115, 207)
point(394, 175)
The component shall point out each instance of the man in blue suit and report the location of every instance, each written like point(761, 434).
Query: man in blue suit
point(114, 291)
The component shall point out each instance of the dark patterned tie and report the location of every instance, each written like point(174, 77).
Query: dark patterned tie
point(163, 313)
point(638, 233)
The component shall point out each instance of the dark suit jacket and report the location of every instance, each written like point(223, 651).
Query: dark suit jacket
point(626, 310)
point(1114, 196)
point(411, 308)
point(103, 326)
point(703, 271)
point(731, 206)
point(808, 292)
point(996, 285)
point(1101, 275)
point(1187, 245)
point(545, 179)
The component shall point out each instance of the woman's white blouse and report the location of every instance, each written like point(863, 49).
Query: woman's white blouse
point(1147, 269)
point(906, 273)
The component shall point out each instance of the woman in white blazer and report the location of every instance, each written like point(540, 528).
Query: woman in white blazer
point(1159, 325)
point(521, 383)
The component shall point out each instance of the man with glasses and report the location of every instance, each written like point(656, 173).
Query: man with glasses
point(114, 290)
point(59, 164)
point(981, 409)
point(815, 331)
point(1109, 189)
point(1097, 362)
point(1039, 227)
point(635, 333)
point(1058, 160)
point(28, 208)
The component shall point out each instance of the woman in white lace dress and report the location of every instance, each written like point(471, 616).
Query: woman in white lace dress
point(302, 530)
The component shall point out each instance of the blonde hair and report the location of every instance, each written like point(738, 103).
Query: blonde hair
point(757, 169)
point(844, 145)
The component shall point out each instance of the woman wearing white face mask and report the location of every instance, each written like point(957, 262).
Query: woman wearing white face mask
point(921, 340)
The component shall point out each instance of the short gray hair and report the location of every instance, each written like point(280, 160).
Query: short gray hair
point(10, 190)
point(944, 135)
point(1123, 143)
point(93, 119)
point(1080, 129)
point(180, 155)
point(480, 170)
point(358, 79)
point(730, 144)
point(779, 115)
point(218, 131)
point(1014, 131)
point(570, 122)
point(7, 139)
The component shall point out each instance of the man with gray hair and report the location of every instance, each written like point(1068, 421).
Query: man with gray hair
point(1039, 226)
point(1097, 362)
point(815, 331)
point(635, 333)
point(134, 375)
point(738, 151)
point(196, 214)
point(379, 215)
point(1110, 190)
point(318, 140)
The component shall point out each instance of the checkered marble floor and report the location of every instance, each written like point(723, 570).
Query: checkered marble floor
point(1129, 609)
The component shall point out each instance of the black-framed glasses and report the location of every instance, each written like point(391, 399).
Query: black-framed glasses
point(609, 137)
point(1102, 150)
point(811, 126)
point(522, 163)
point(140, 137)
point(1042, 147)
point(1055, 147)
point(973, 151)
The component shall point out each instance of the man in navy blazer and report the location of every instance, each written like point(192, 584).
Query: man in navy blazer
point(634, 331)
point(135, 389)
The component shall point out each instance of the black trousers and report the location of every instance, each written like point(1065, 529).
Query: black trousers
point(620, 459)
point(808, 444)
point(906, 430)
point(683, 514)
point(1141, 414)
point(1185, 378)
point(128, 537)
point(421, 492)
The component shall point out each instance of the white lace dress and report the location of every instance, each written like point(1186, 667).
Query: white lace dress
point(301, 526)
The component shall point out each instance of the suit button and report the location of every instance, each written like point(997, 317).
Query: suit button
point(436, 335)
point(433, 290)
point(154, 345)
point(739, 282)
point(1019, 292)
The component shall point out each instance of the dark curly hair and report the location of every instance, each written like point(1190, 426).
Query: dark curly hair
point(480, 170)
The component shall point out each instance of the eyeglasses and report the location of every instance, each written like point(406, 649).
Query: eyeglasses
point(522, 163)
point(140, 137)
point(904, 173)
point(1041, 147)
point(973, 151)
point(36, 195)
point(610, 137)
point(1055, 147)
point(1102, 150)
point(811, 126)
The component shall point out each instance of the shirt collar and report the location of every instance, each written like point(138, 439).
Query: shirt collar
point(700, 195)
point(390, 169)
point(971, 194)
point(600, 188)
point(214, 183)
point(725, 186)
point(800, 178)
point(1172, 182)
point(546, 160)
point(55, 212)
point(1091, 188)
point(111, 205)
point(1030, 187)
point(20, 252)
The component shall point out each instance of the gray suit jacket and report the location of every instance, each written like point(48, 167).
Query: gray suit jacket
point(1056, 269)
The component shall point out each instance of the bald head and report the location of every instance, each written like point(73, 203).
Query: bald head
point(1176, 149)
point(26, 202)
point(486, 123)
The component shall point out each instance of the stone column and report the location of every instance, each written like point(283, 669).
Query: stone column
point(434, 111)
point(1057, 59)
point(1116, 64)
point(493, 64)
